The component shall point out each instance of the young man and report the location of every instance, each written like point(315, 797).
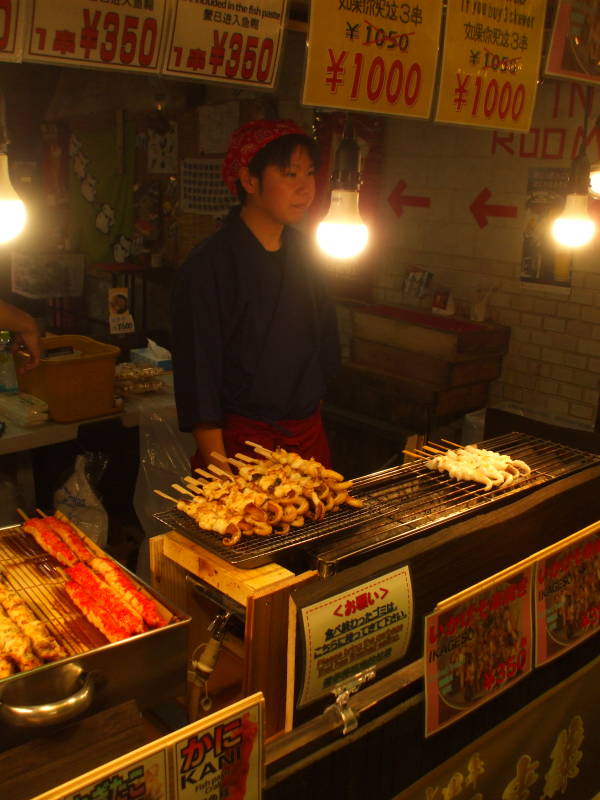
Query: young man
point(254, 334)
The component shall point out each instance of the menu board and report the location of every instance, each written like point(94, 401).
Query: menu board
point(567, 599)
point(11, 29)
point(378, 57)
point(353, 631)
point(477, 648)
point(87, 33)
point(491, 62)
point(226, 41)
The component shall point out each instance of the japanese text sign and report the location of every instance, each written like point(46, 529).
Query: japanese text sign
point(491, 62)
point(364, 627)
point(226, 41)
point(574, 50)
point(219, 756)
point(567, 597)
point(373, 56)
point(127, 35)
point(476, 649)
point(12, 16)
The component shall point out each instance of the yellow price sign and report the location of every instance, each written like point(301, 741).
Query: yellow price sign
point(378, 57)
point(491, 63)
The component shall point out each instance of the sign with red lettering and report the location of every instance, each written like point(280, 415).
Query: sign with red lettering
point(491, 62)
point(92, 33)
point(567, 597)
point(356, 630)
point(12, 19)
point(378, 57)
point(226, 41)
point(476, 649)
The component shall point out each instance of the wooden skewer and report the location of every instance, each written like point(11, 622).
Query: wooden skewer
point(166, 496)
point(181, 489)
point(247, 459)
point(220, 457)
point(41, 513)
point(193, 485)
point(260, 449)
point(22, 514)
point(204, 473)
point(413, 455)
point(435, 449)
point(220, 472)
point(452, 444)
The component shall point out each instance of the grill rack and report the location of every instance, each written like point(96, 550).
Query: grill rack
point(408, 500)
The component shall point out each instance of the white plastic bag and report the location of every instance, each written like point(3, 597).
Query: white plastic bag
point(164, 459)
point(78, 501)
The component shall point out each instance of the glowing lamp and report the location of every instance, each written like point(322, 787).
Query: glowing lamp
point(12, 209)
point(574, 227)
point(342, 234)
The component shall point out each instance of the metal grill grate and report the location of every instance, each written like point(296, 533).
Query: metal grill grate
point(405, 501)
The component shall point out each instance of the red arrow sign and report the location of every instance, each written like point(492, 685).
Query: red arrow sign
point(481, 211)
point(398, 199)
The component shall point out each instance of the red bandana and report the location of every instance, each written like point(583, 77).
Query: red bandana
point(248, 140)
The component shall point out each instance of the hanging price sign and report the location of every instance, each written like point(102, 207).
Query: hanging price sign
point(226, 41)
point(477, 648)
point(11, 30)
point(89, 33)
point(379, 57)
point(491, 63)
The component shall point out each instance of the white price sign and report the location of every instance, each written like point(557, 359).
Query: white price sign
point(226, 41)
point(11, 30)
point(90, 33)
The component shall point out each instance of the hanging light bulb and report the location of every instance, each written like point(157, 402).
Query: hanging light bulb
point(341, 233)
point(595, 179)
point(575, 227)
point(12, 209)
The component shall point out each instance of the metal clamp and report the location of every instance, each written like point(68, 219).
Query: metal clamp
point(343, 693)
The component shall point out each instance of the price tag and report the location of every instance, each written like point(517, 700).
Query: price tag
point(92, 34)
point(379, 57)
point(491, 63)
point(226, 41)
point(11, 30)
point(567, 600)
point(477, 648)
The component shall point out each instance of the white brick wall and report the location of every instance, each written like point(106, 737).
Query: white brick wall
point(552, 371)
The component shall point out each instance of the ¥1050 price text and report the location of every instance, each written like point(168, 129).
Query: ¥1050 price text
point(372, 76)
point(506, 670)
point(106, 36)
point(231, 55)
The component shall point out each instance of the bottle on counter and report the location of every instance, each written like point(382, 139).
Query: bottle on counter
point(8, 374)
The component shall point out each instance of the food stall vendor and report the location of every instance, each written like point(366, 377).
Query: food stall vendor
point(254, 332)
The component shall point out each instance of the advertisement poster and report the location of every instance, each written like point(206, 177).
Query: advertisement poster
point(124, 36)
point(226, 41)
point(376, 57)
point(574, 50)
point(490, 65)
point(119, 315)
point(543, 261)
point(146, 778)
point(567, 597)
point(12, 18)
point(476, 649)
point(364, 627)
point(223, 761)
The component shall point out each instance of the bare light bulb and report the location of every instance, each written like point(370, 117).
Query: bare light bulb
point(12, 209)
point(595, 180)
point(342, 233)
point(574, 227)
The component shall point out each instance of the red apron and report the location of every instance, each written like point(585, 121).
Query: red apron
point(303, 436)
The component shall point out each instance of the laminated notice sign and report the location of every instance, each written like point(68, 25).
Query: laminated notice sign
point(87, 33)
point(378, 57)
point(490, 64)
point(226, 41)
point(12, 17)
point(477, 648)
point(567, 597)
point(353, 631)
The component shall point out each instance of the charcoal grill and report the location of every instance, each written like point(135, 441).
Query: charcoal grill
point(101, 674)
point(399, 503)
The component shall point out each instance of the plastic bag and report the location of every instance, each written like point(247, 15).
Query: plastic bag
point(164, 458)
point(80, 503)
